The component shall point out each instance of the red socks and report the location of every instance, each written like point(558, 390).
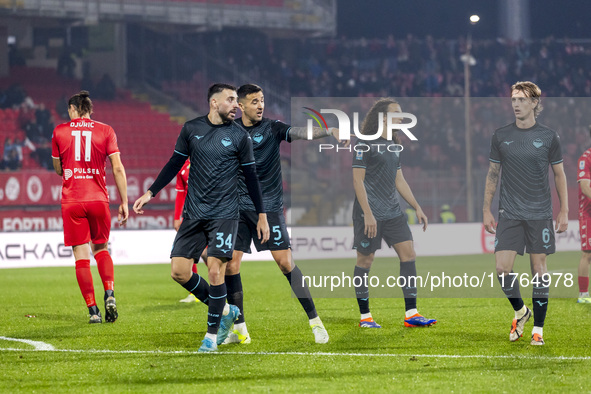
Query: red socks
point(583, 284)
point(84, 278)
point(105, 269)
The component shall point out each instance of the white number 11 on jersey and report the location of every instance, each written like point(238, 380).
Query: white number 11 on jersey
point(87, 135)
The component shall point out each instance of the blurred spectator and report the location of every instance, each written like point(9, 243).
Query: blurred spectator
point(44, 121)
point(411, 215)
point(105, 89)
point(25, 116)
point(33, 133)
point(15, 57)
point(446, 215)
point(66, 63)
point(10, 156)
point(18, 146)
point(61, 107)
point(86, 82)
point(42, 154)
point(14, 96)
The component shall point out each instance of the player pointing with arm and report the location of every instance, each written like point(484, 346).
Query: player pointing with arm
point(524, 150)
point(217, 148)
point(267, 136)
point(79, 151)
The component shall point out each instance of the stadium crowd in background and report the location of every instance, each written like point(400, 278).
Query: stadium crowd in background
point(13, 96)
point(12, 156)
point(396, 67)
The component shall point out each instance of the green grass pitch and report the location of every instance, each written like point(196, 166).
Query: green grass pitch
point(152, 347)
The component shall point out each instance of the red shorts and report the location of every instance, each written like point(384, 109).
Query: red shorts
point(585, 231)
point(86, 221)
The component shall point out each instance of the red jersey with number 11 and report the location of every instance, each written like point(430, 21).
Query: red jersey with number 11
point(83, 145)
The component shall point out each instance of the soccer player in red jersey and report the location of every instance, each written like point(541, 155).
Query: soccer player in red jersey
point(79, 151)
point(584, 180)
point(182, 184)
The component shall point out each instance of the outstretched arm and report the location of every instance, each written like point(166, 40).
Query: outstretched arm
point(492, 179)
point(169, 171)
point(301, 133)
point(405, 192)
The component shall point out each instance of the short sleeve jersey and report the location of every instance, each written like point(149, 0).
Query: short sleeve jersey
point(182, 179)
point(380, 166)
point(525, 156)
point(267, 136)
point(584, 173)
point(216, 153)
point(82, 145)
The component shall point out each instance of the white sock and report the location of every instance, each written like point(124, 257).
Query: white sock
point(366, 316)
point(519, 314)
point(241, 328)
point(213, 337)
point(538, 330)
point(226, 309)
point(411, 312)
point(315, 321)
point(584, 295)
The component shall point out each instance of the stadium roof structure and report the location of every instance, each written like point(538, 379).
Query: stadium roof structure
point(277, 17)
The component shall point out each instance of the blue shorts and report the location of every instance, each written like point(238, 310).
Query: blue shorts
point(247, 232)
point(219, 235)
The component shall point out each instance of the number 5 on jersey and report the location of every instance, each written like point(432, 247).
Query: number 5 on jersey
point(78, 142)
point(277, 230)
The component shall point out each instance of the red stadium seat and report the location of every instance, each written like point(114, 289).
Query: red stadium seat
point(146, 137)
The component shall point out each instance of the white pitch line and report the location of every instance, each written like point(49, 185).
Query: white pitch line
point(37, 344)
point(316, 354)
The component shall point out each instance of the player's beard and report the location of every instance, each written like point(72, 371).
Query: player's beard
point(227, 117)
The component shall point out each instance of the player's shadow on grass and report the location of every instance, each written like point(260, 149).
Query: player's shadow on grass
point(405, 368)
point(167, 305)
